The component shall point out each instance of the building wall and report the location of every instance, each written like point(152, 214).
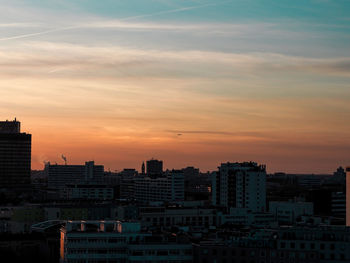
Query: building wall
point(172, 217)
point(348, 196)
point(241, 185)
point(288, 212)
point(168, 188)
point(113, 241)
point(89, 192)
point(15, 160)
point(61, 175)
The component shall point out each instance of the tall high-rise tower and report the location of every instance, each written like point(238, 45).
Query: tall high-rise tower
point(240, 185)
point(154, 167)
point(143, 168)
point(15, 156)
point(347, 196)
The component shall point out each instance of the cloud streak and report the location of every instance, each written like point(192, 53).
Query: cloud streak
point(53, 30)
point(79, 58)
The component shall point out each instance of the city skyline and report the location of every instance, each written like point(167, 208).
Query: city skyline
point(189, 82)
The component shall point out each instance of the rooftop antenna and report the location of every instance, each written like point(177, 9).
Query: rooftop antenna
point(64, 159)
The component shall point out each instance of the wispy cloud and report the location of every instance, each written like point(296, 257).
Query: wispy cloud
point(113, 24)
point(79, 58)
point(216, 132)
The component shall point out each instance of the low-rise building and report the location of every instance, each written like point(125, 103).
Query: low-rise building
point(87, 192)
point(115, 241)
point(167, 188)
point(161, 216)
point(289, 212)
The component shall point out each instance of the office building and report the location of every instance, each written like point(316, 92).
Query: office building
point(240, 185)
point(61, 175)
point(167, 188)
point(115, 241)
point(15, 156)
point(169, 217)
point(290, 212)
point(325, 244)
point(348, 196)
point(154, 167)
point(87, 192)
point(338, 204)
point(127, 187)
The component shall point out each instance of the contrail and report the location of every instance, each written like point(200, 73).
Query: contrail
point(38, 33)
point(122, 19)
point(175, 10)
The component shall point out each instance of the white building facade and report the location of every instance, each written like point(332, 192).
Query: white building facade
point(240, 185)
point(168, 188)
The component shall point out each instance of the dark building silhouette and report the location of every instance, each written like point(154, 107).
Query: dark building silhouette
point(143, 168)
point(15, 156)
point(154, 167)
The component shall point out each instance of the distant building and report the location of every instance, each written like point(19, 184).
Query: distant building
point(348, 196)
point(15, 156)
point(115, 241)
point(340, 172)
point(168, 217)
point(289, 212)
point(325, 244)
point(240, 185)
point(338, 204)
point(61, 175)
point(87, 192)
point(154, 167)
point(190, 171)
point(143, 168)
point(127, 187)
point(310, 180)
point(244, 217)
point(129, 172)
point(168, 188)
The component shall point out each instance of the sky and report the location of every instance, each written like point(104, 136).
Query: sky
point(191, 82)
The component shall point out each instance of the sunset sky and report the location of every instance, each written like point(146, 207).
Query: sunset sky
point(191, 82)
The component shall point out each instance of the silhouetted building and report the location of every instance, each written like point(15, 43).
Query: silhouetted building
point(87, 192)
point(168, 188)
point(127, 187)
point(61, 175)
point(154, 167)
point(143, 168)
point(15, 156)
point(338, 204)
point(240, 185)
point(348, 196)
point(129, 172)
point(289, 212)
point(190, 171)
